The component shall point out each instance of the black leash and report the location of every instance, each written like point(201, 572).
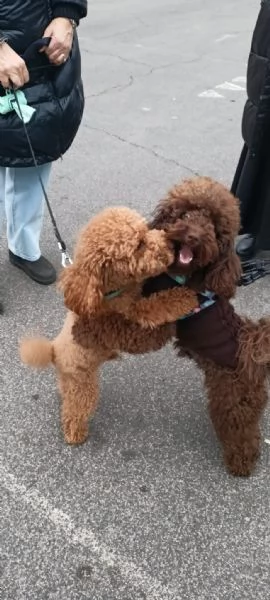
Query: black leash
point(66, 260)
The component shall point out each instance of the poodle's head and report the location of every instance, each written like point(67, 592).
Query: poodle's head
point(116, 249)
point(202, 218)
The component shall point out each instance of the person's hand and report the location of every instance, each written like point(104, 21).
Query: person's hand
point(60, 31)
point(13, 70)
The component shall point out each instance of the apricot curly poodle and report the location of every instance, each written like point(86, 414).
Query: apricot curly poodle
point(202, 218)
point(115, 253)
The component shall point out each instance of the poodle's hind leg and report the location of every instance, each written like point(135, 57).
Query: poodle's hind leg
point(235, 408)
point(79, 392)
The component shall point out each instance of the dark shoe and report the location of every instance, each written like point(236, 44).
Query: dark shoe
point(246, 247)
point(39, 270)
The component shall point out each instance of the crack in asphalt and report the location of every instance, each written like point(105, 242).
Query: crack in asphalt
point(145, 64)
point(117, 34)
point(141, 147)
point(132, 79)
point(119, 88)
point(122, 58)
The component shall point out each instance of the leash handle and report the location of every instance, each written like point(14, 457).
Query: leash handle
point(66, 260)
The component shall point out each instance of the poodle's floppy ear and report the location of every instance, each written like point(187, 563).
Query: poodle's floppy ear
point(82, 292)
point(222, 277)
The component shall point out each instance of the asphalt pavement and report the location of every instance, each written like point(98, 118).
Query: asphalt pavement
point(145, 509)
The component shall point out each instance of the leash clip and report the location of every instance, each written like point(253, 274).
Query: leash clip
point(66, 259)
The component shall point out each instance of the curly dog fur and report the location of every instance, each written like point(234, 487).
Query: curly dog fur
point(203, 216)
point(107, 315)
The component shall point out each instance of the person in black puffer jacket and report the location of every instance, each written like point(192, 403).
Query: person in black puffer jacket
point(40, 56)
point(251, 182)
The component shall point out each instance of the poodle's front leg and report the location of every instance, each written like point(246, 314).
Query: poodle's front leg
point(79, 392)
point(235, 408)
point(162, 307)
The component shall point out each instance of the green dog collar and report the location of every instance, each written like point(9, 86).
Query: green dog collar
point(113, 294)
point(180, 279)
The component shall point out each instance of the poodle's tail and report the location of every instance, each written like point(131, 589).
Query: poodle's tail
point(37, 352)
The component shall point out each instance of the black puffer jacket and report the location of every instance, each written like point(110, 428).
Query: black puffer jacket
point(256, 116)
point(251, 182)
point(55, 92)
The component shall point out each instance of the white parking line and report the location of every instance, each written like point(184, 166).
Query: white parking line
point(240, 79)
point(226, 36)
point(210, 94)
point(227, 85)
point(63, 524)
point(230, 86)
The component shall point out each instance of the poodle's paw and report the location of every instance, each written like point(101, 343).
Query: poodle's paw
point(148, 323)
point(114, 355)
point(74, 433)
point(240, 469)
point(242, 464)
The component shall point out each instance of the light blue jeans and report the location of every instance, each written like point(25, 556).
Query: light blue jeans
point(21, 198)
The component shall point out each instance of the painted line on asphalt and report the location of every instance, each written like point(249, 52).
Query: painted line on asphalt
point(226, 36)
point(210, 94)
point(231, 86)
point(240, 79)
point(63, 524)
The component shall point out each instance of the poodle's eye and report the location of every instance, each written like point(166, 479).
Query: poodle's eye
point(185, 216)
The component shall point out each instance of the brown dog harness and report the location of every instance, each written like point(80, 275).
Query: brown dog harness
point(211, 332)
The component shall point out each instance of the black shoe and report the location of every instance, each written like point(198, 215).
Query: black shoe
point(39, 270)
point(246, 247)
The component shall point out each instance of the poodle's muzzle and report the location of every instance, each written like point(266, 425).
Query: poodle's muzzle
point(194, 241)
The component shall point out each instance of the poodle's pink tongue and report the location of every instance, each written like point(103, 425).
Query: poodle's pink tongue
point(185, 255)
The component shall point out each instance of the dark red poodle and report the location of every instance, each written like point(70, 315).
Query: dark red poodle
point(202, 218)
